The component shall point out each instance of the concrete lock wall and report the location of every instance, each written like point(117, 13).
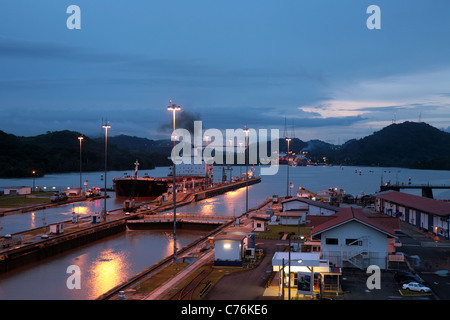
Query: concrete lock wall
point(45, 248)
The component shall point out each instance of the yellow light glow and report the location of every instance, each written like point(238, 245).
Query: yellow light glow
point(227, 246)
point(33, 220)
point(81, 210)
point(108, 271)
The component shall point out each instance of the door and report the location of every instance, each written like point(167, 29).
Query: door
point(418, 219)
point(430, 222)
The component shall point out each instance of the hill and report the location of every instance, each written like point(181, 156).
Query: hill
point(57, 152)
point(408, 144)
point(134, 143)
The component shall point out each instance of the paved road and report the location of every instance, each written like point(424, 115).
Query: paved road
point(248, 284)
point(429, 257)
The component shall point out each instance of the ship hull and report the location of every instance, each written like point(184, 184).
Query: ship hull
point(140, 188)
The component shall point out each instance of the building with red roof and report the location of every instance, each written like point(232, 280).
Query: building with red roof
point(425, 213)
point(352, 238)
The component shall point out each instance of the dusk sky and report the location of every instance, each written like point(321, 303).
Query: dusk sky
point(228, 63)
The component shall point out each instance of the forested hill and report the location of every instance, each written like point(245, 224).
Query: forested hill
point(408, 144)
point(57, 152)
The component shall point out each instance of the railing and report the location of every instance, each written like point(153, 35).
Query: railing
point(186, 216)
point(399, 257)
point(358, 253)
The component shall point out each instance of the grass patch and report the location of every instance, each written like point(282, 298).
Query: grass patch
point(276, 232)
point(15, 201)
point(159, 278)
point(216, 273)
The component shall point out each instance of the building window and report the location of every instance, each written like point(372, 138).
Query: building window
point(353, 242)
point(332, 241)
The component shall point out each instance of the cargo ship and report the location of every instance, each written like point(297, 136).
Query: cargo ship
point(187, 176)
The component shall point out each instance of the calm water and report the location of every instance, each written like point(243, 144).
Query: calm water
point(103, 264)
point(108, 262)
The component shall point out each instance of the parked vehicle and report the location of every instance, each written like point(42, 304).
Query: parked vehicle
point(93, 192)
point(404, 277)
point(59, 196)
point(414, 286)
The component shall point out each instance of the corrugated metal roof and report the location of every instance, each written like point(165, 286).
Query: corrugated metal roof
point(423, 204)
point(235, 237)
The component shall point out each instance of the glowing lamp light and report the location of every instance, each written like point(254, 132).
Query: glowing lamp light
point(227, 246)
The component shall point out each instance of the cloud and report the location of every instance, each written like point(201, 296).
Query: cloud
point(328, 122)
point(184, 120)
point(13, 48)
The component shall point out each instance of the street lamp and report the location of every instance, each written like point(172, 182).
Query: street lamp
point(106, 126)
point(208, 180)
point(174, 108)
point(240, 168)
point(34, 176)
point(287, 183)
point(81, 188)
point(246, 169)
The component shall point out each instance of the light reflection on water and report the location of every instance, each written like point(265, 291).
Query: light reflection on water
point(108, 270)
point(103, 264)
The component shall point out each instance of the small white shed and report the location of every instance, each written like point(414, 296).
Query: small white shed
point(260, 223)
point(229, 249)
point(96, 218)
point(57, 228)
point(293, 204)
point(17, 190)
point(292, 217)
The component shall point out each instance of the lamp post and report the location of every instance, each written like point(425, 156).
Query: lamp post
point(246, 169)
point(34, 176)
point(174, 108)
point(287, 183)
point(289, 270)
point(208, 180)
point(240, 167)
point(106, 126)
point(81, 188)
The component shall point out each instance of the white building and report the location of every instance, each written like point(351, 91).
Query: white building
point(304, 273)
point(293, 204)
point(425, 213)
point(57, 228)
point(260, 222)
point(229, 249)
point(292, 217)
point(16, 190)
point(351, 238)
point(310, 207)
